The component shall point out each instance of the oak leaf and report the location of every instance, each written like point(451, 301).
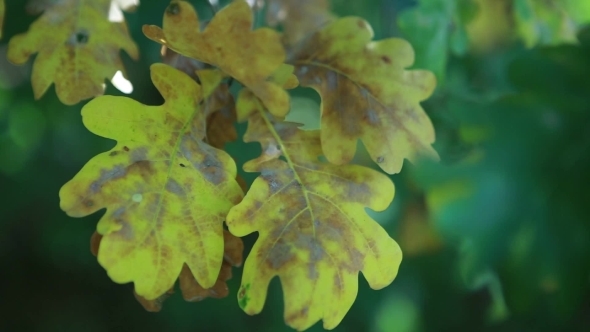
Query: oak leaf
point(191, 290)
point(78, 47)
point(165, 190)
point(229, 43)
point(366, 93)
point(314, 232)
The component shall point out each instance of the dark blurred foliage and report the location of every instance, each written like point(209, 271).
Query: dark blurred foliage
point(496, 236)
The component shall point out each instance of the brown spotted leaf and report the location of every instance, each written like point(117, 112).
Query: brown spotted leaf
point(314, 232)
point(367, 94)
point(78, 48)
point(166, 192)
point(229, 43)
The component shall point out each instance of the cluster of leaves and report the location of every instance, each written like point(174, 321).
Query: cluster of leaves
point(514, 147)
point(176, 209)
point(438, 28)
point(168, 186)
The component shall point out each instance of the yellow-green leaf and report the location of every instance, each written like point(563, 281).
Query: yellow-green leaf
point(314, 232)
point(367, 94)
point(166, 191)
point(191, 290)
point(229, 43)
point(78, 48)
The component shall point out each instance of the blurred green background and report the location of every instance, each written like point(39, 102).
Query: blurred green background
point(496, 237)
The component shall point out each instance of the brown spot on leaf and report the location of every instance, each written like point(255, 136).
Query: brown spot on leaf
point(331, 80)
point(356, 259)
point(80, 37)
point(372, 117)
point(143, 167)
point(95, 243)
point(386, 59)
point(139, 154)
point(298, 315)
point(174, 187)
point(279, 255)
point(338, 286)
point(154, 305)
point(212, 169)
point(173, 9)
point(116, 172)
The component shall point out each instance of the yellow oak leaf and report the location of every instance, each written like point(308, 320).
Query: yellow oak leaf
point(2, 8)
point(229, 43)
point(165, 190)
point(191, 290)
point(78, 48)
point(314, 232)
point(299, 18)
point(367, 94)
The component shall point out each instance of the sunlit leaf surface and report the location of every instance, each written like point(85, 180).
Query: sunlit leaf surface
point(165, 190)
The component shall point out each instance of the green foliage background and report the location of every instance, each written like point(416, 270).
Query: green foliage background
point(509, 201)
